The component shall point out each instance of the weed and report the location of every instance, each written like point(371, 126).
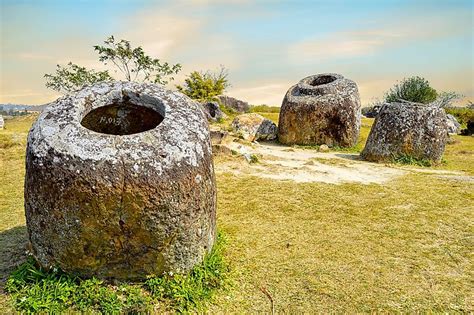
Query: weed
point(187, 292)
point(253, 159)
point(406, 159)
point(36, 290)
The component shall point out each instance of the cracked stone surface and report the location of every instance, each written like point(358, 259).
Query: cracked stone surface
point(130, 200)
point(413, 129)
point(321, 109)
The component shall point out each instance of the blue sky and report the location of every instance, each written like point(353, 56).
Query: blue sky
point(266, 45)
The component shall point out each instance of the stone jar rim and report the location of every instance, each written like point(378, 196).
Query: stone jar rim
point(173, 140)
point(319, 84)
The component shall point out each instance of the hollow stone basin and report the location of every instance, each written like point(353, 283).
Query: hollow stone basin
point(120, 182)
point(321, 109)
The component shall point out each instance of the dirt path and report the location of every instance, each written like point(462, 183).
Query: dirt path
point(304, 165)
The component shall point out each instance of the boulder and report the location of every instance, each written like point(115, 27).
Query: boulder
point(372, 111)
point(416, 130)
point(321, 109)
point(454, 127)
point(233, 103)
point(213, 111)
point(254, 127)
point(120, 182)
point(469, 131)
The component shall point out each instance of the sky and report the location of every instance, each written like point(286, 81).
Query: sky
point(266, 45)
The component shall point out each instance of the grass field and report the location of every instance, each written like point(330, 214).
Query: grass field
point(406, 246)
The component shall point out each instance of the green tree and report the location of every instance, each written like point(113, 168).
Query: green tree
point(414, 89)
point(132, 62)
point(72, 77)
point(204, 86)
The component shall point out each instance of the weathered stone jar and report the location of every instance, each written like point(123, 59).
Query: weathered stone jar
point(321, 109)
point(120, 182)
point(411, 129)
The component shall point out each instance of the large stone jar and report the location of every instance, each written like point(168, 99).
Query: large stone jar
point(407, 129)
point(120, 182)
point(321, 109)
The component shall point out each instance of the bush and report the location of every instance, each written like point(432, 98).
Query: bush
point(462, 114)
point(204, 86)
point(414, 89)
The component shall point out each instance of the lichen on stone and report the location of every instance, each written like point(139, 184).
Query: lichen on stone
point(120, 205)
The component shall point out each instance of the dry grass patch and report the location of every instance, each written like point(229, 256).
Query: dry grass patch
point(405, 246)
point(349, 248)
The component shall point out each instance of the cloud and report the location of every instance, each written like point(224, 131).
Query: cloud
point(270, 94)
point(256, 42)
point(369, 41)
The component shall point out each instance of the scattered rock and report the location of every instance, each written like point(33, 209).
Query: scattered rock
point(221, 149)
point(111, 195)
point(213, 111)
point(469, 131)
point(321, 109)
point(372, 111)
point(254, 127)
point(218, 136)
point(451, 141)
point(233, 103)
point(412, 129)
point(454, 127)
point(323, 148)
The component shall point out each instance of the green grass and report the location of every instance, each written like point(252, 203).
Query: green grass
point(405, 159)
point(401, 247)
point(34, 289)
point(188, 292)
point(264, 109)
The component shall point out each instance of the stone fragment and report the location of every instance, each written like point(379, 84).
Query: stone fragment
point(372, 111)
point(213, 111)
point(416, 130)
point(454, 127)
point(254, 127)
point(218, 136)
point(233, 103)
point(321, 109)
point(323, 148)
point(221, 149)
point(120, 182)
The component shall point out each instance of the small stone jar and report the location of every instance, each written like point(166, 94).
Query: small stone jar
point(321, 109)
